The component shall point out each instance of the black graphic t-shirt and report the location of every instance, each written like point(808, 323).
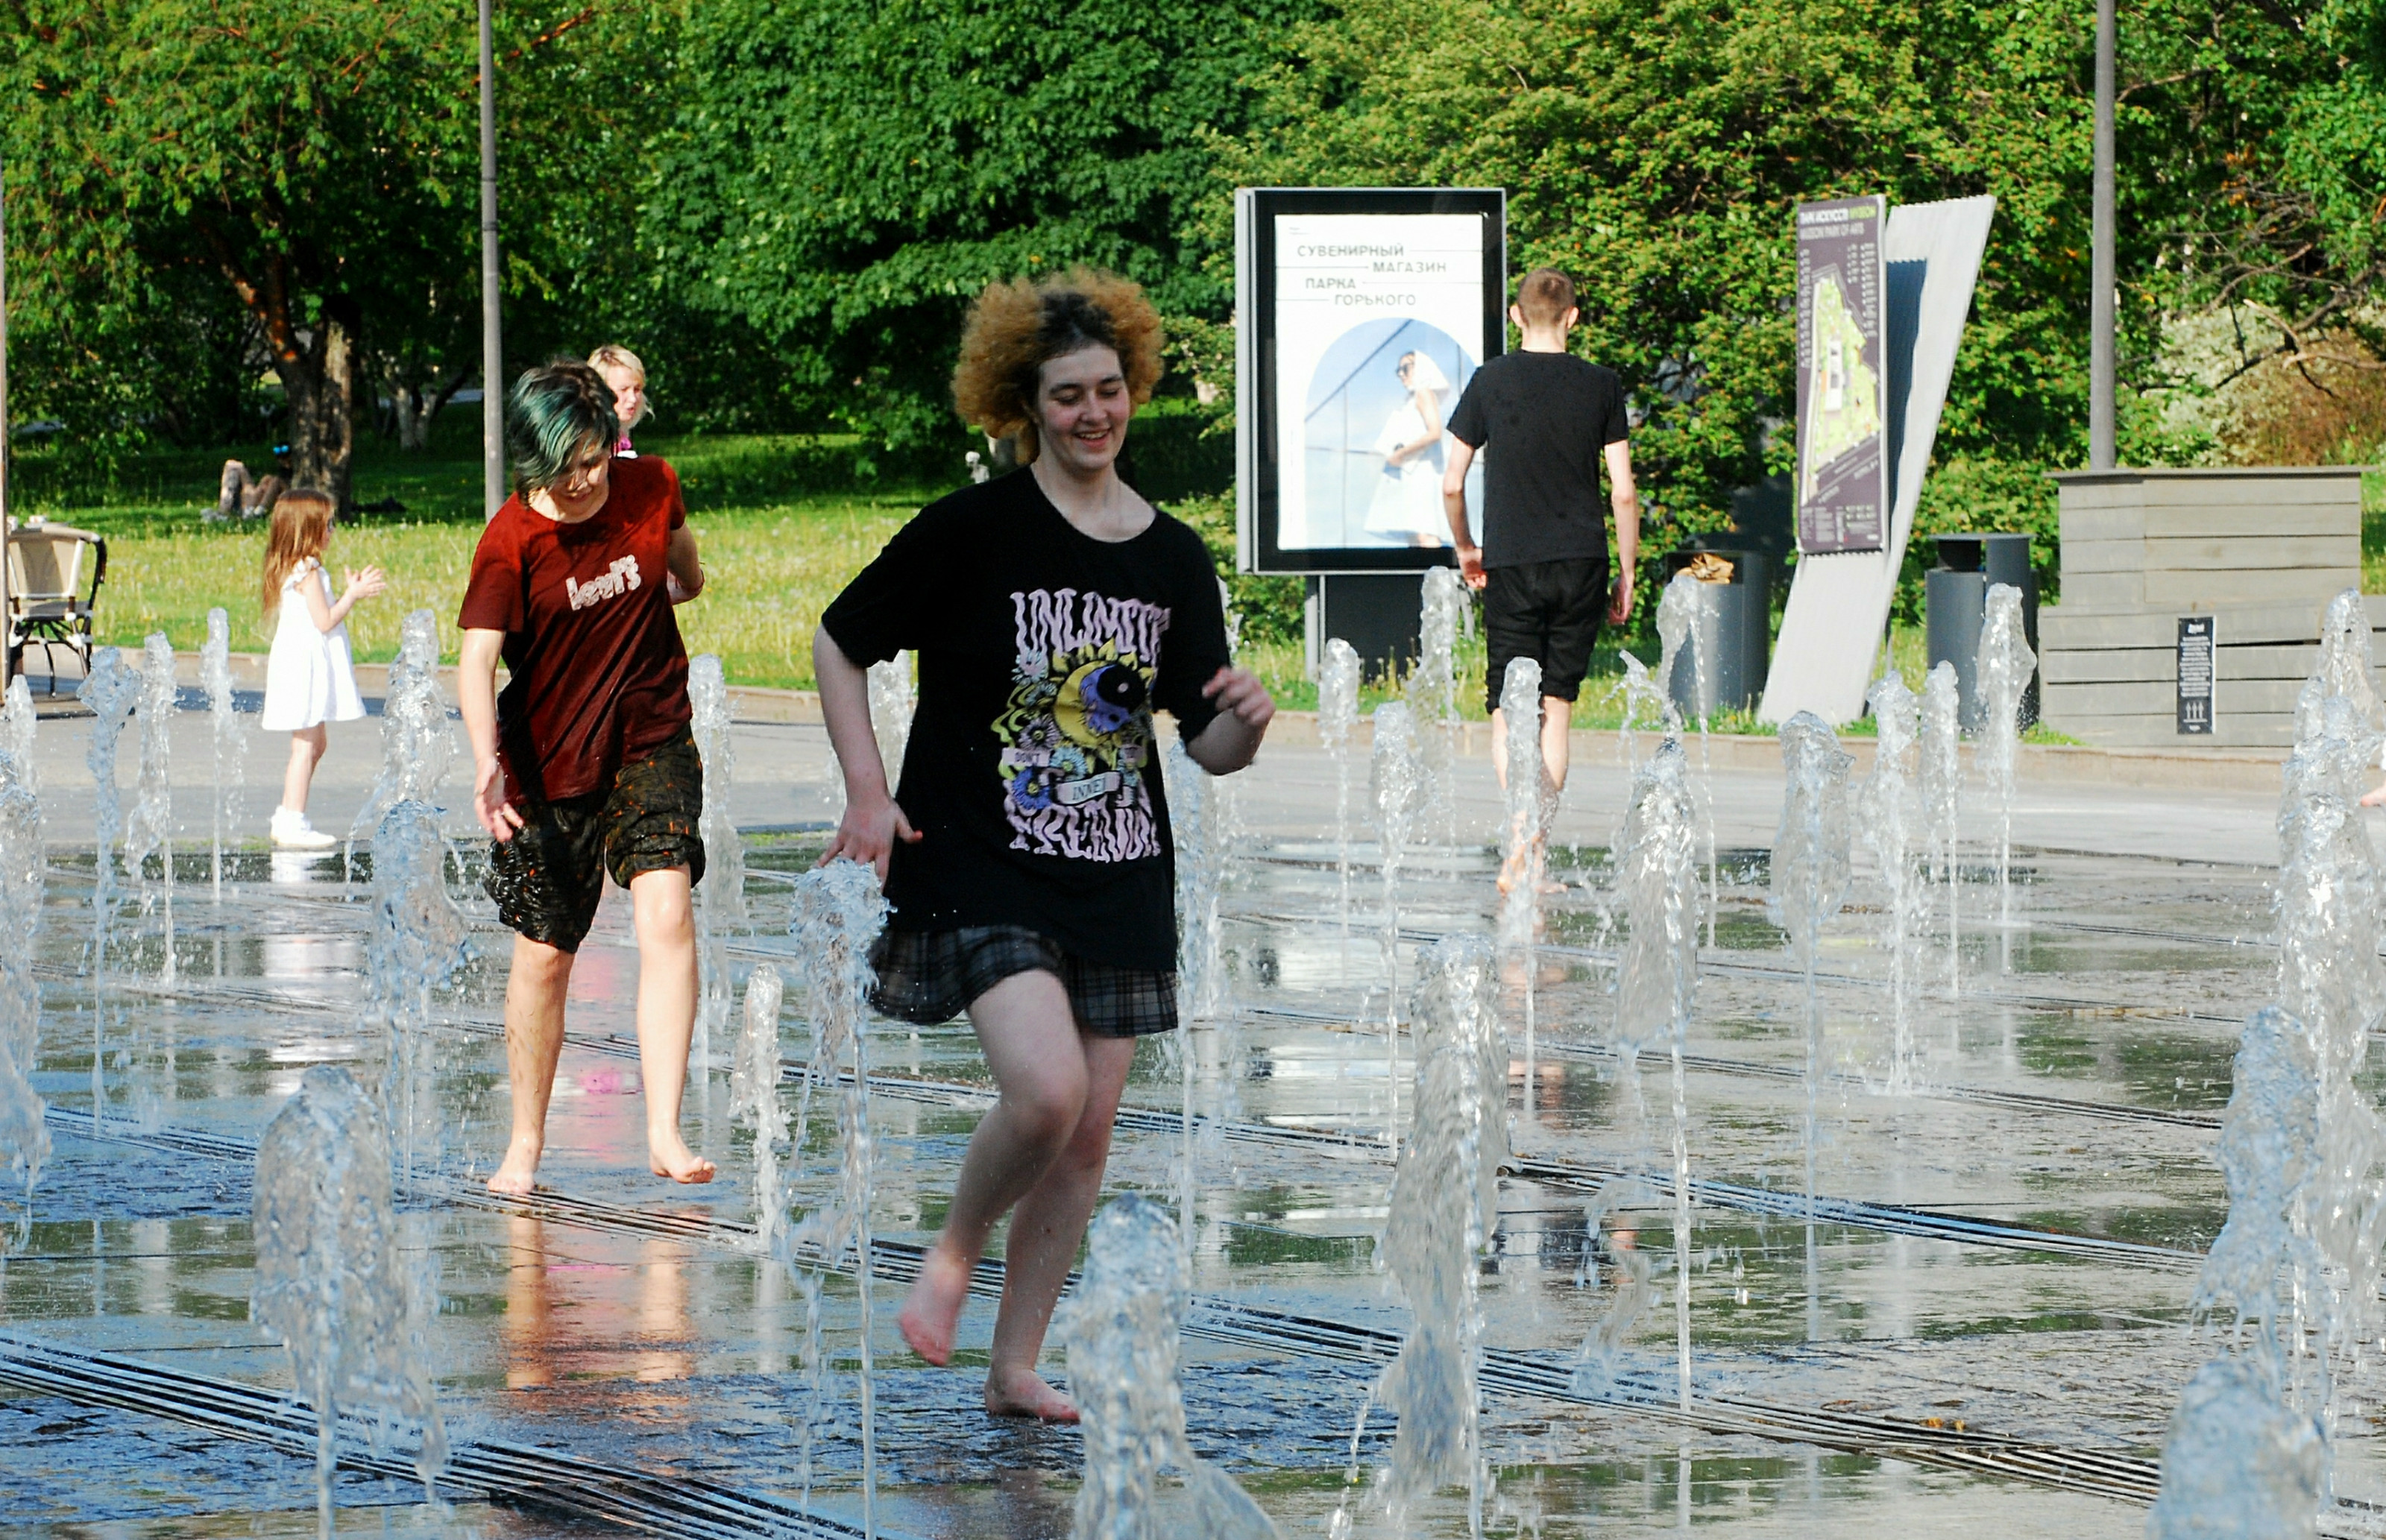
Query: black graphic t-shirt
point(1032, 772)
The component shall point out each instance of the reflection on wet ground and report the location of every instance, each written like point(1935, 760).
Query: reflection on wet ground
point(2002, 1254)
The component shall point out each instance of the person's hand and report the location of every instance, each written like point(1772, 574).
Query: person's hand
point(867, 833)
point(2376, 798)
point(1619, 599)
point(367, 583)
point(489, 804)
point(1237, 693)
point(673, 590)
point(1470, 566)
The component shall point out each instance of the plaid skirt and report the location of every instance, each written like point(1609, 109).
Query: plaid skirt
point(931, 976)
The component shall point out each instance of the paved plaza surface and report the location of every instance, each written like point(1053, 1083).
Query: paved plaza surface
point(1989, 1326)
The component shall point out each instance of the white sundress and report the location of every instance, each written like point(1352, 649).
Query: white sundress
point(1407, 499)
point(311, 676)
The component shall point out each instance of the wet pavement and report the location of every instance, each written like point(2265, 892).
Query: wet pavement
point(1991, 1332)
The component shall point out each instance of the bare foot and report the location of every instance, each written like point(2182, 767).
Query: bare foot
point(933, 1313)
point(668, 1155)
point(1022, 1393)
point(519, 1174)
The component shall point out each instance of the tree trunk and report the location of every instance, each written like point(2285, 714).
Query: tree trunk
point(321, 386)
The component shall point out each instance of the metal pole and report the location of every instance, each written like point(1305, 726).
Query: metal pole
point(492, 355)
point(2100, 262)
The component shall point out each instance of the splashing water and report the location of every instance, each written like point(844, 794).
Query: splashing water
point(1338, 720)
point(417, 741)
point(1942, 788)
point(721, 898)
point(2343, 669)
point(1657, 977)
point(331, 1282)
point(1642, 700)
point(839, 913)
point(1444, 1210)
point(150, 831)
point(1197, 814)
point(1522, 855)
point(1394, 774)
point(891, 702)
point(17, 727)
point(1889, 824)
point(109, 690)
point(1432, 695)
point(1121, 1328)
point(418, 943)
point(754, 1098)
point(223, 721)
point(1810, 882)
point(23, 1136)
point(2003, 669)
point(2238, 1463)
point(1603, 1350)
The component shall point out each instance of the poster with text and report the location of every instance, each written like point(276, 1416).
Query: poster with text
point(1842, 479)
point(1379, 325)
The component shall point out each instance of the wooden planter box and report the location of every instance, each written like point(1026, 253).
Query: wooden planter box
point(2261, 550)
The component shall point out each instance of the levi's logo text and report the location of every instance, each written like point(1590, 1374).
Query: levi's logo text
point(614, 581)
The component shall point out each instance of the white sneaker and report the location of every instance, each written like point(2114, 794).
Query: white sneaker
point(291, 831)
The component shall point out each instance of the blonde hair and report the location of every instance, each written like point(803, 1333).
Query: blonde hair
point(301, 527)
point(1015, 329)
point(614, 355)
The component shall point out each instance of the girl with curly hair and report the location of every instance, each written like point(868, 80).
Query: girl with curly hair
point(1026, 851)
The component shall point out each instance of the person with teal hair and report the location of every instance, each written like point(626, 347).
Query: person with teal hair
point(586, 765)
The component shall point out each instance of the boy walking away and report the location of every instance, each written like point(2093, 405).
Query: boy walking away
point(1548, 418)
point(585, 766)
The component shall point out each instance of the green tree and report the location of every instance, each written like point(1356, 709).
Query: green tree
point(844, 176)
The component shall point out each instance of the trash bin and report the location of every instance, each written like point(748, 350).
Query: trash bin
point(1734, 630)
point(1955, 604)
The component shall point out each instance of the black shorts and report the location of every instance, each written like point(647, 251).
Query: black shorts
point(931, 976)
point(549, 877)
point(1547, 611)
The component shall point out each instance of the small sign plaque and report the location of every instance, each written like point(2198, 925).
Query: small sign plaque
point(2195, 644)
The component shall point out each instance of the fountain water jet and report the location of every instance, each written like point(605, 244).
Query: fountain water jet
point(23, 1136)
point(1338, 720)
point(1393, 762)
point(1640, 691)
point(1810, 881)
point(416, 740)
point(839, 913)
point(419, 941)
point(1432, 695)
point(1657, 977)
point(109, 690)
point(1888, 824)
point(223, 721)
point(1522, 856)
point(17, 727)
point(891, 703)
point(1121, 1328)
point(1942, 787)
point(1443, 1215)
point(150, 831)
point(721, 898)
point(754, 1098)
point(2004, 669)
point(1197, 813)
point(330, 1281)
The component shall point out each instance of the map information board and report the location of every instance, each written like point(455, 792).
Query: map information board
point(1842, 480)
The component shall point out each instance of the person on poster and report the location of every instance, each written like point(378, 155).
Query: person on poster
point(1543, 565)
point(1406, 507)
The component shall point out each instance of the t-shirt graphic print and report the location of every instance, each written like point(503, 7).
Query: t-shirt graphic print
point(1076, 736)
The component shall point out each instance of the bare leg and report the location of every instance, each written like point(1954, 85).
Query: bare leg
point(1045, 1230)
point(1500, 747)
point(1557, 720)
point(1029, 1033)
point(307, 747)
point(535, 991)
point(664, 916)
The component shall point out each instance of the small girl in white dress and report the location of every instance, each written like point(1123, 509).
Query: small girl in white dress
point(310, 679)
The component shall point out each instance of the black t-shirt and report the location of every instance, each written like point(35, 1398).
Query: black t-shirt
point(1032, 774)
point(1548, 419)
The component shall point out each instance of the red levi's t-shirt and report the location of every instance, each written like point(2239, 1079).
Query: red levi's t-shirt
point(599, 675)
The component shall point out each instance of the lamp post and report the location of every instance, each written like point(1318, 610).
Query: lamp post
point(493, 359)
point(2100, 259)
point(7, 466)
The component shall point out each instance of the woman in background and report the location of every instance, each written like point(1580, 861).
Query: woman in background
point(626, 377)
point(1407, 505)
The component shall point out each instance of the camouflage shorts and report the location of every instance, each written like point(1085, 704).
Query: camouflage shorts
point(548, 878)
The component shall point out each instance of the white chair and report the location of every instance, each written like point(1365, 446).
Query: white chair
point(54, 577)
